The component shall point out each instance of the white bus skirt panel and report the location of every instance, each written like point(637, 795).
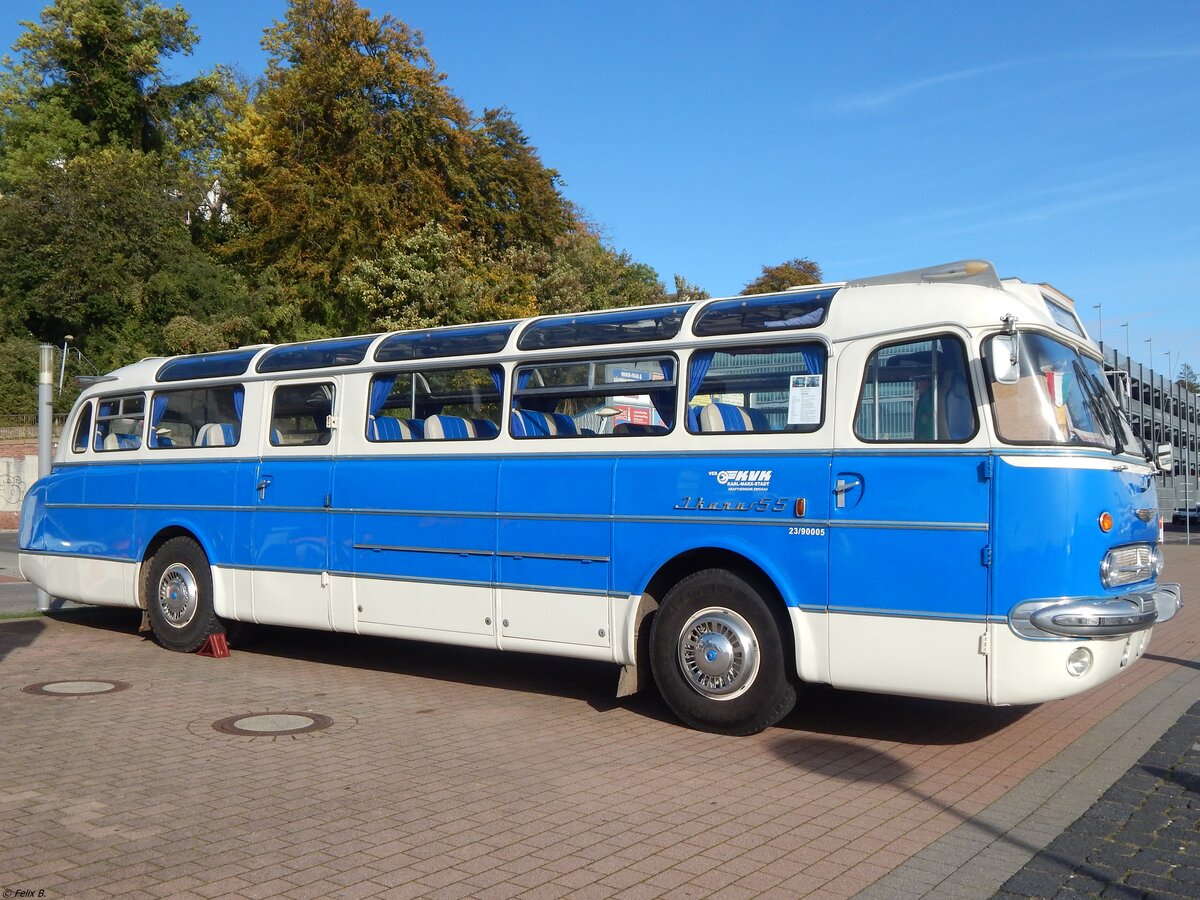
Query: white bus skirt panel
point(916, 657)
point(102, 582)
point(1035, 671)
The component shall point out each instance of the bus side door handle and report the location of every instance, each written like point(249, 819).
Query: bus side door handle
point(841, 488)
point(263, 483)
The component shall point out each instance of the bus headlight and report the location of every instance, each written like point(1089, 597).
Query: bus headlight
point(1130, 564)
point(1156, 561)
point(1079, 662)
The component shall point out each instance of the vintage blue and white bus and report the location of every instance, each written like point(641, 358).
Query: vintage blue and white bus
point(920, 483)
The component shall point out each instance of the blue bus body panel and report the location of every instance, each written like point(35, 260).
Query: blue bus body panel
point(421, 518)
point(106, 521)
point(211, 499)
point(910, 538)
point(290, 530)
point(555, 531)
point(1048, 533)
point(669, 505)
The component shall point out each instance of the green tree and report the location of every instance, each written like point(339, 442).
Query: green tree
point(89, 75)
point(437, 277)
point(100, 62)
point(788, 274)
point(354, 138)
point(1188, 379)
point(100, 249)
point(685, 291)
point(18, 374)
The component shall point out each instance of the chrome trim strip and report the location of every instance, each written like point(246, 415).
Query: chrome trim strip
point(458, 582)
point(449, 551)
point(513, 554)
point(912, 526)
point(747, 518)
point(169, 507)
point(565, 557)
point(907, 614)
point(88, 556)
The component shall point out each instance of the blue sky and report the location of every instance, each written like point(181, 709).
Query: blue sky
point(1060, 140)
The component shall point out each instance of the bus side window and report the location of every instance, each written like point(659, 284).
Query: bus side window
point(917, 392)
point(196, 417)
point(627, 397)
point(83, 430)
point(435, 405)
point(119, 423)
point(300, 414)
point(757, 389)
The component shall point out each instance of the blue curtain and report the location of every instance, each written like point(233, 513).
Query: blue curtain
point(814, 358)
point(239, 404)
point(664, 400)
point(157, 407)
point(699, 368)
point(498, 380)
point(381, 387)
point(539, 404)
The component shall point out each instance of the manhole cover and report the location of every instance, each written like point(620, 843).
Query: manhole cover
point(75, 688)
point(270, 724)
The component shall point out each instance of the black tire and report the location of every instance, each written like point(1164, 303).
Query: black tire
point(177, 590)
point(740, 685)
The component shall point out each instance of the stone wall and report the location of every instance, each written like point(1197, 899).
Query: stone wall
point(18, 471)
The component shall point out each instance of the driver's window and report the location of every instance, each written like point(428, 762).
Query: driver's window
point(917, 392)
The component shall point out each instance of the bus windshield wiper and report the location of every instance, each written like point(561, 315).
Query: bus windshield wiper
point(1099, 410)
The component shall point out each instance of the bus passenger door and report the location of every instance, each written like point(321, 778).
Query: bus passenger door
point(554, 551)
point(909, 517)
point(290, 533)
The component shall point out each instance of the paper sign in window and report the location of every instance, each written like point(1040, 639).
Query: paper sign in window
point(804, 400)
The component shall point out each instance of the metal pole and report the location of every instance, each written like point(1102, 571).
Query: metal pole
point(1099, 322)
point(62, 364)
point(45, 423)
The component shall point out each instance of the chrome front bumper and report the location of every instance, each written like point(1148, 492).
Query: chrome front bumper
point(1087, 617)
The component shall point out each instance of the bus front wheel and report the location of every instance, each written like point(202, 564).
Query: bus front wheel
point(177, 590)
point(717, 655)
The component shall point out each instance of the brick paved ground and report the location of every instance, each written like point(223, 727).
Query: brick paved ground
point(451, 773)
point(1141, 839)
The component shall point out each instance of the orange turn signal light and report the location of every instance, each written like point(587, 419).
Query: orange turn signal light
point(1105, 522)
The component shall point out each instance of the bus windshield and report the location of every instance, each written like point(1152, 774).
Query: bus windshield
point(1062, 397)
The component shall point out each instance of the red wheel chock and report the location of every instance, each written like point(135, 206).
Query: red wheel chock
point(216, 647)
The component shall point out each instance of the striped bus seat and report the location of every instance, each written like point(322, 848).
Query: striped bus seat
point(449, 428)
point(389, 428)
point(726, 417)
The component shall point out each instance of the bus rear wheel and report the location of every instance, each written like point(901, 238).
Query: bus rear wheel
point(717, 655)
point(177, 591)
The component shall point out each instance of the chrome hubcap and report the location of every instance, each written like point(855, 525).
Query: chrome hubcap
point(177, 595)
point(718, 653)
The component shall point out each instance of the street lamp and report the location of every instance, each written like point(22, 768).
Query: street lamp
point(62, 364)
point(1127, 360)
point(1099, 323)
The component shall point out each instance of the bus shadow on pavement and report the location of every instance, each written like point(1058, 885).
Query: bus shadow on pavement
point(820, 710)
point(1188, 663)
point(903, 720)
point(19, 633)
point(557, 676)
point(586, 680)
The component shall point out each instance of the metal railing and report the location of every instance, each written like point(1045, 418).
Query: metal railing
point(23, 427)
